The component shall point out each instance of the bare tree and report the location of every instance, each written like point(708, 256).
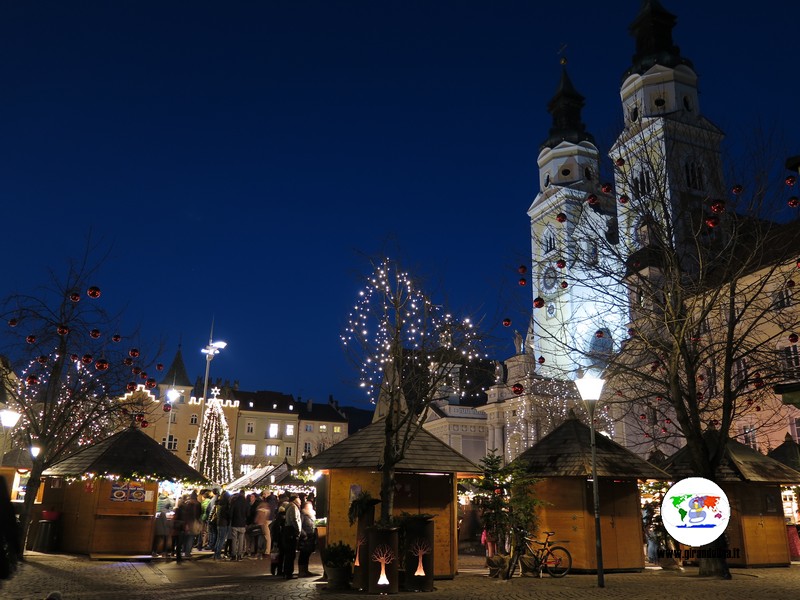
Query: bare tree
point(73, 367)
point(420, 548)
point(410, 352)
point(384, 555)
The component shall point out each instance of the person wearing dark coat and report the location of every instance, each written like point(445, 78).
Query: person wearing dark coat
point(222, 514)
point(240, 508)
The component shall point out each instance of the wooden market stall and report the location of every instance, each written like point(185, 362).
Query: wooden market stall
point(426, 483)
point(789, 454)
point(563, 462)
point(757, 528)
point(106, 494)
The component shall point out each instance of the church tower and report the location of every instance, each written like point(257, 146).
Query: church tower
point(570, 209)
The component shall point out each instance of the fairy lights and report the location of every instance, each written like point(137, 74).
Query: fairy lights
point(214, 448)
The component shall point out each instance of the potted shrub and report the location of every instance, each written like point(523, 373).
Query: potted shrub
point(338, 562)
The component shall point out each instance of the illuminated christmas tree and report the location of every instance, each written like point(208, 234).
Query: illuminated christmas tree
point(212, 452)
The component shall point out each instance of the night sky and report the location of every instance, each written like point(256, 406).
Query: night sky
point(243, 161)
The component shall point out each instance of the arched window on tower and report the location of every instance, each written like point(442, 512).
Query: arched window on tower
point(549, 241)
point(641, 183)
point(694, 175)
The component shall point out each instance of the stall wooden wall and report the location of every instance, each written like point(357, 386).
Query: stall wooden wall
point(757, 528)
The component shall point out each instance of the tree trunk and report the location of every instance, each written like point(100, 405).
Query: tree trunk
point(31, 490)
point(387, 493)
point(715, 565)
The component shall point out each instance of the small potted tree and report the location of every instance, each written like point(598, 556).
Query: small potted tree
point(338, 562)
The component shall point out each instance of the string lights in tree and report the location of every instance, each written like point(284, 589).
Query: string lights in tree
point(214, 447)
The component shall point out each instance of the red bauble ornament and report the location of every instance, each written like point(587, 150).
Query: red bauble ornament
point(712, 222)
point(619, 162)
point(167, 407)
point(798, 263)
point(159, 367)
point(13, 322)
point(143, 374)
point(506, 322)
point(599, 333)
point(127, 361)
point(647, 435)
point(95, 333)
point(87, 359)
point(101, 365)
point(151, 383)
point(791, 180)
point(538, 302)
point(659, 398)
point(561, 217)
point(75, 297)
point(140, 417)
point(522, 281)
point(517, 388)
point(606, 188)
point(561, 263)
point(718, 207)
point(74, 357)
point(42, 359)
point(134, 352)
point(31, 380)
point(793, 338)
point(93, 292)
point(131, 387)
point(541, 360)
point(632, 331)
point(643, 416)
point(564, 285)
point(623, 199)
point(522, 269)
point(591, 199)
point(31, 339)
point(793, 202)
point(62, 330)
point(116, 338)
point(144, 424)
point(136, 370)
point(654, 366)
point(663, 430)
point(790, 283)
point(668, 421)
point(737, 189)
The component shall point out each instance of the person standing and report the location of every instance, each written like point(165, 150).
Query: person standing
point(262, 520)
point(308, 539)
point(211, 521)
point(291, 531)
point(223, 516)
point(192, 527)
point(162, 531)
point(239, 510)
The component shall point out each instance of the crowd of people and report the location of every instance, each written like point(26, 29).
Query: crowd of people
point(237, 526)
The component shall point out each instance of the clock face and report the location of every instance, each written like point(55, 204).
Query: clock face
point(551, 310)
point(549, 278)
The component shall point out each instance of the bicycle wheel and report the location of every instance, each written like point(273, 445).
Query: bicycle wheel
point(558, 561)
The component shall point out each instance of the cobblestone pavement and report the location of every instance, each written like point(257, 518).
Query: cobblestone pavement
point(77, 577)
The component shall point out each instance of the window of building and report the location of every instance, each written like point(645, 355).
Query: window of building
point(288, 450)
point(245, 469)
point(307, 448)
point(309, 427)
point(749, 436)
point(190, 446)
point(739, 372)
point(694, 175)
point(193, 420)
point(248, 449)
point(272, 432)
point(290, 429)
point(173, 418)
point(791, 362)
point(549, 241)
point(323, 429)
point(171, 443)
point(642, 184)
point(337, 429)
point(272, 450)
point(782, 299)
point(251, 427)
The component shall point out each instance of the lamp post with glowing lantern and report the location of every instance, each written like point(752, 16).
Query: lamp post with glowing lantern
point(172, 395)
point(211, 350)
point(9, 420)
point(590, 387)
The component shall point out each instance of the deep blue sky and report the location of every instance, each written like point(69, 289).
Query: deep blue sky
point(242, 159)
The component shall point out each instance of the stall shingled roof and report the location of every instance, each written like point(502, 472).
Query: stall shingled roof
point(567, 452)
point(129, 454)
point(364, 450)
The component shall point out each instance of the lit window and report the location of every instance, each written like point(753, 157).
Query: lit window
point(193, 420)
point(791, 363)
point(739, 372)
point(250, 427)
point(245, 469)
point(248, 449)
point(309, 427)
point(273, 430)
point(323, 429)
point(749, 436)
point(337, 429)
point(272, 450)
point(290, 429)
point(288, 450)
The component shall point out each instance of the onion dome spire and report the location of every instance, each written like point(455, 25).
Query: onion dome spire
point(565, 107)
point(652, 29)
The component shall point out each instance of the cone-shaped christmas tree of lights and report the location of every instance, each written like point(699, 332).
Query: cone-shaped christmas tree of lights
point(212, 452)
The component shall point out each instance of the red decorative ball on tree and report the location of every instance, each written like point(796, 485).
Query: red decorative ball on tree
point(136, 370)
point(712, 222)
point(42, 359)
point(134, 352)
point(145, 424)
point(790, 283)
point(791, 180)
point(522, 269)
point(663, 430)
point(75, 297)
point(561, 217)
point(62, 330)
point(74, 357)
point(591, 199)
point(13, 322)
point(131, 387)
point(95, 333)
point(561, 263)
point(506, 322)
point(93, 292)
point(167, 407)
point(538, 302)
point(643, 416)
point(31, 380)
point(606, 188)
point(140, 417)
point(623, 199)
point(718, 207)
point(599, 333)
point(793, 338)
point(116, 338)
point(737, 189)
point(798, 263)
point(659, 398)
point(151, 383)
point(793, 202)
point(564, 285)
point(541, 360)
point(619, 162)
point(87, 359)
point(143, 374)
point(632, 331)
point(31, 339)
point(522, 281)
point(517, 388)
point(159, 367)
point(127, 361)
point(101, 365)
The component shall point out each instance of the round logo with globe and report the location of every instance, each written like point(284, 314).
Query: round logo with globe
point(695, 511)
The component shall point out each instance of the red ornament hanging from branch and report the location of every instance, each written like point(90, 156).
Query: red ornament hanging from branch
point(712, 222)
point(523, 281)
point(561, 263)
point(42, 360)
point(101, 365)
point(506, 322)
point(606, 189)
point(561, 217)
point(145, 424)
point(151, 383)
point(116, 338)
point(127, 361)
point(31, 380)
point(538, 302)
point(793, 202)
point(31, 339)
point(522, 269)
point(619, 162)
point(13, 322)
point(517, 388)
point(793, 338)
point(791, 180)
point(167, 407)
point(62, 330)
point(87, 359)
point(541, 360)
point(599, 334)
point(564, 285)
point(93, 292)
point(133, 352)
point(737, 189)
point(718, 207)
point(790, 283)
point(95, 333)
point(131, 387)
point(75, 297)
point(623, 199)
point(159, 367)
point(591, 199)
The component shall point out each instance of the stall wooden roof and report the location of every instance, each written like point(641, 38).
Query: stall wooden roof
point(129, 454)
point(364, 450)
point(567, 452)
point(740, 463)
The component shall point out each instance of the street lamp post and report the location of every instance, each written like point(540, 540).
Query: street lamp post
point(211, 350)
point(172, 395)
point(9, 419)
point(590, 387)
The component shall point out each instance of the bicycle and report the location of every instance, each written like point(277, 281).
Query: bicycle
point(556, 560)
